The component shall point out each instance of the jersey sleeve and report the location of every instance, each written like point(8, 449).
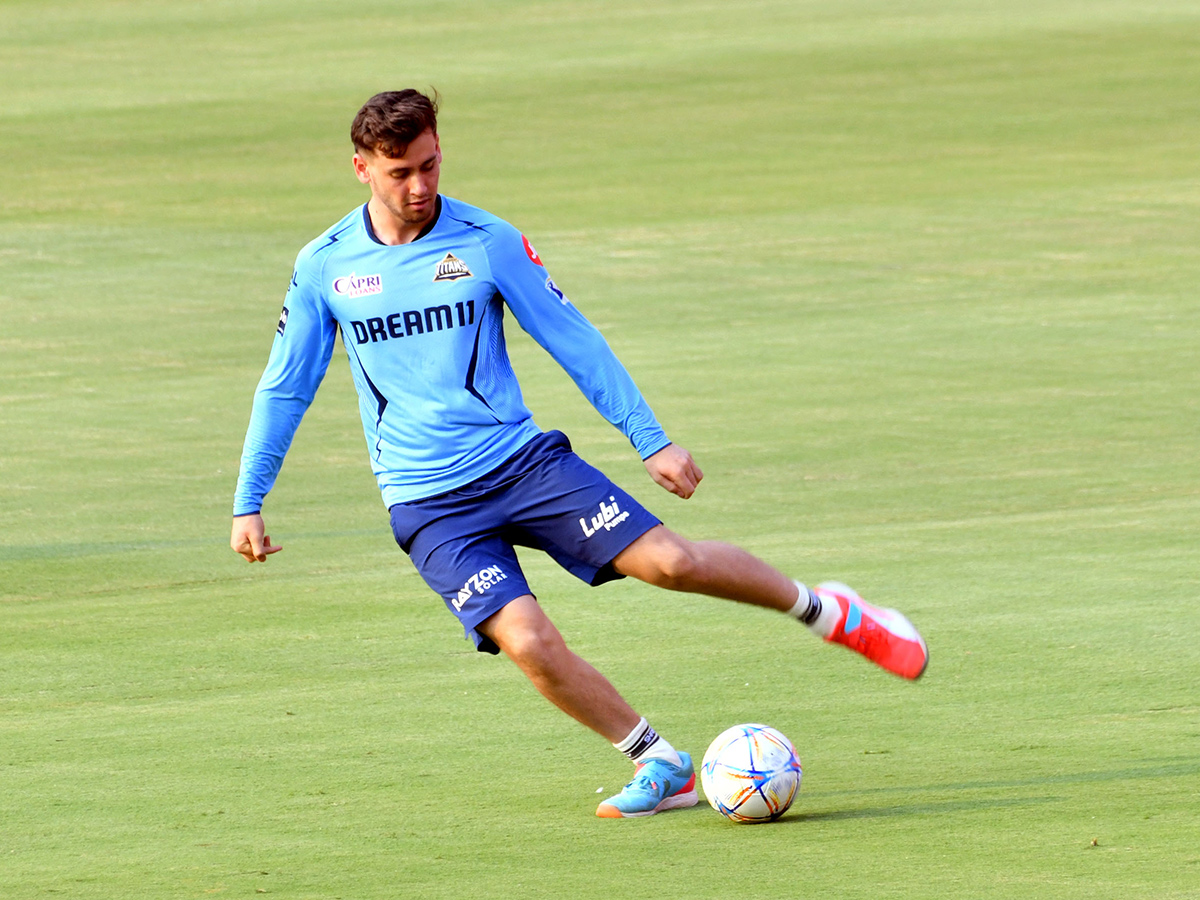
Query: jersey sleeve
point(299, 357)
point(574, 342)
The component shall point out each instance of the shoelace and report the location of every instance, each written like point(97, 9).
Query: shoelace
point(643, 778)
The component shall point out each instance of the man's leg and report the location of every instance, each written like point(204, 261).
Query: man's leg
point(664, 779)
point(664, 559)
point(528, 637)
point(833, 611)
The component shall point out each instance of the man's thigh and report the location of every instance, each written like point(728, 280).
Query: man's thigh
point(577, 515)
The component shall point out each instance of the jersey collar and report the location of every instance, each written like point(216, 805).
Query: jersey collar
point(437, 214)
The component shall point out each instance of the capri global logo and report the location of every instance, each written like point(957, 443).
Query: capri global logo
point(354, 285)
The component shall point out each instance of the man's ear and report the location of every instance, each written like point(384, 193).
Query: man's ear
point(360, 169)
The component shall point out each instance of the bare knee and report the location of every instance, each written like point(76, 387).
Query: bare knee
point(680, 567)
point(664, 560)
point(533, 650)
point(534, 644)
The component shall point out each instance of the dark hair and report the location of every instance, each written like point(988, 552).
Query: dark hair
point(389, 122)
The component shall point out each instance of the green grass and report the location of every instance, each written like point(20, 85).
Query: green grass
point(915, 281)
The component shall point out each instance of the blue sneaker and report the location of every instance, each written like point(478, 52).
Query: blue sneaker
point(656, 785)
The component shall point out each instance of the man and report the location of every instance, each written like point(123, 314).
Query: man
point(417, 284)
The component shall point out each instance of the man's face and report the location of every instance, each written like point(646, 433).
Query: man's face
point(406, 185)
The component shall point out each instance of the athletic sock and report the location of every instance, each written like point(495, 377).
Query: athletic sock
point(808, 605)
point(644, 743)
point(820, 619)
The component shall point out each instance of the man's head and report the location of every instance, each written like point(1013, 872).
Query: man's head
point(397, 153)
point(389, 122)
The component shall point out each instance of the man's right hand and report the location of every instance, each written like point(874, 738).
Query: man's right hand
point(248, 538)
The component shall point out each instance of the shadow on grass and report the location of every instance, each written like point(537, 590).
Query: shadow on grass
point(1173, 768)
point(799, 816)
point(912, 809)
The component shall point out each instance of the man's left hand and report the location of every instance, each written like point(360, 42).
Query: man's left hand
point(674, 469)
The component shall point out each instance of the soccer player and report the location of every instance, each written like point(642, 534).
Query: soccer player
point(417, 285)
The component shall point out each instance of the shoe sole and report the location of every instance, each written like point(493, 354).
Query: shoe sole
point(924, 649)
point(920, 639)
point(675, 801)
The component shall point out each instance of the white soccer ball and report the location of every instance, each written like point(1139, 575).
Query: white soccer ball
point(751, 773)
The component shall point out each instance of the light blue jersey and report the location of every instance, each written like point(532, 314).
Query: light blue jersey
point(422, 324)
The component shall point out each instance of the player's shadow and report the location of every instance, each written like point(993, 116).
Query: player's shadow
point(1169, 767)
point(911, 809)
point(1172, 767)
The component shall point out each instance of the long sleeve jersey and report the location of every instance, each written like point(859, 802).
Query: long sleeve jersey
point(422, 324)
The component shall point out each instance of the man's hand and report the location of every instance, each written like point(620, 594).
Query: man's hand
point(674, 469)
point(248, 538)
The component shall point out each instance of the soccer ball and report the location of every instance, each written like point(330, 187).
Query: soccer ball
point(751, 773)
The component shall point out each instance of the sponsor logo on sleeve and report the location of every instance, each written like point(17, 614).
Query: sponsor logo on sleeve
point(557, 292)
point(609, 517)
point(479, 583)
point(531, 253)
point(451, 269)
point(354, 285)
point(282, 321)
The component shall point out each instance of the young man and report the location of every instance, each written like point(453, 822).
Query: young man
point(417, 284)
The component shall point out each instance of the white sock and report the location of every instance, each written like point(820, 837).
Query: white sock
point(821, 618)
point(804, 602)
point(644, 743)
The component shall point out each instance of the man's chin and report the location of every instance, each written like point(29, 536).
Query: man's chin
point(418, 215)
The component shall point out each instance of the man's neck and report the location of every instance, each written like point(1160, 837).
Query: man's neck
point(387, 229)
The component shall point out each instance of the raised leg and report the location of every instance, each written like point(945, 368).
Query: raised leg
point(884, 636)
point(663, 558)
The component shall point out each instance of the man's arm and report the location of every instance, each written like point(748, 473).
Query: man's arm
point(299, 358)
point(576, 345)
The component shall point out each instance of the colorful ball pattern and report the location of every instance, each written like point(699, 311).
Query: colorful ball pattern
point(751, 773)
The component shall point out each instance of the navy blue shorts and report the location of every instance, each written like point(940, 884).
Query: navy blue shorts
point(543, 496)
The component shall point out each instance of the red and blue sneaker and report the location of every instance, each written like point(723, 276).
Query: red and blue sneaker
point(657, 785)
point(883, 636)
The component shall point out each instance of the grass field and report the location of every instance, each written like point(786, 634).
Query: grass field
point(915, 281)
